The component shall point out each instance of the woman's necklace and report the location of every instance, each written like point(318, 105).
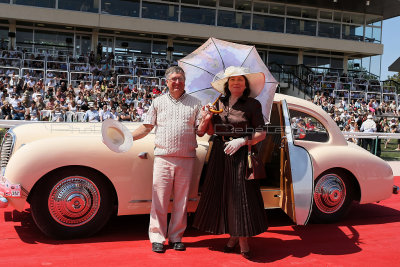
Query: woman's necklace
point(230, 105)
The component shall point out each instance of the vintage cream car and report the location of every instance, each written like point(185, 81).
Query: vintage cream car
point(74, 183)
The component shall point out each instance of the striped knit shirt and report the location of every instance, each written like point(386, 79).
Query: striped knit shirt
point(175, 122)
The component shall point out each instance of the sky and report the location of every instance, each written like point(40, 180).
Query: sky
point(391, 45)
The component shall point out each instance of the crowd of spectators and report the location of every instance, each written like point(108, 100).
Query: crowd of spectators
point(93, 93)
point(362, 116)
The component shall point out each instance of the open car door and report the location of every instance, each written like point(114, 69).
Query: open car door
point(296, 173)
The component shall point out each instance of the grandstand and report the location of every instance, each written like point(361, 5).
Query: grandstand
point(131, 72)
point(330, 47)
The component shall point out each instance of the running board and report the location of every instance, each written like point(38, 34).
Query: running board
point(271, 197)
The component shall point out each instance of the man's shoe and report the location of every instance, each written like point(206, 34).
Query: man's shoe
point(157, 247)
point(178, 246)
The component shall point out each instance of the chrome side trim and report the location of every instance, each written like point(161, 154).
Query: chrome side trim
point(149, 200)
point(139, 201)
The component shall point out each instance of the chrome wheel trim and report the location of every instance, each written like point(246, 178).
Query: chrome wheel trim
point(330, 193)
point(74, 201)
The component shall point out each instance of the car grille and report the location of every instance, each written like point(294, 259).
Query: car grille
point(6, 148)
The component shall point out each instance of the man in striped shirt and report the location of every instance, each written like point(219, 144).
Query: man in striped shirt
point(177, 118)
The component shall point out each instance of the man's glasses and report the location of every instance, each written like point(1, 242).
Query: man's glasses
point(180, 80)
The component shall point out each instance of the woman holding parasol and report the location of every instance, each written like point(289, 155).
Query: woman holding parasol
point(230, 203)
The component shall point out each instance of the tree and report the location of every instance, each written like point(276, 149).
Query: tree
point(395, 77)
point(356, 68)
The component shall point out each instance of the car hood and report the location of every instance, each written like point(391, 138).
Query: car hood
point(30, 132)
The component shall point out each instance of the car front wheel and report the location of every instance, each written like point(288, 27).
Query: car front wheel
point(332, 197)
point(71, 202)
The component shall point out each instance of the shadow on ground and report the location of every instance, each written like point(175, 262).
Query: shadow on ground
point(323, 239)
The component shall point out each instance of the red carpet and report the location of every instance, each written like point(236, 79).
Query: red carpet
point(367, 237)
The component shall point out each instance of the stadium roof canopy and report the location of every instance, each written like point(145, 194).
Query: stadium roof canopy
point(386, 8)
point(395, 66)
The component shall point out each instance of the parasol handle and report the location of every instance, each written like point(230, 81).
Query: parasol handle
point(214, 110)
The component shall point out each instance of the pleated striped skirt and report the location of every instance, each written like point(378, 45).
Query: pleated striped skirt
point(229, 203)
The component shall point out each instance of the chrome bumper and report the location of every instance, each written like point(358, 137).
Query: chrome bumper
point(395, 189)
point(8, 190)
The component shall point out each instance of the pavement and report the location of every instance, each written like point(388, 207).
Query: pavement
point(395, 167)
point(366, 237)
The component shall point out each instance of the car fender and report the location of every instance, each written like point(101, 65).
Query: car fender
point(374, 175)
point(35, 159)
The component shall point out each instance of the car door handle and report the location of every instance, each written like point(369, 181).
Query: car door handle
point(283, 143)
point(142, 155)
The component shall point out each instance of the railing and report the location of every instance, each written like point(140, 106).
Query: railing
point(11, 62)
point(150, 81)
point(140, 60)
point(34, 63)
point(127, 80)
point(124, 70)
point(160, 72)
point(372, 95)
point(78, 59)
point(122, 62)
point(55, 77)
point(11, 54)
point(392, 83)
point(75, 77)
point(9, 71)
point(35, 74)
point(37, 56)
point(290, 74)
point(390, 97)
point(57, 57)
point(76, 66)
point(327, 85)
point(340, 71)
point(304, 71)
point(374, 136)
point(355, 87)
point(57, 65)
point(124, 57)
point(139, 71)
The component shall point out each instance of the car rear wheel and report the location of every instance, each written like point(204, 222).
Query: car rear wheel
point(71, 202)
point(332, 197)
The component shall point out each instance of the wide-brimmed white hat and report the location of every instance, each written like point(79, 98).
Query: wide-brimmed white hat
point(256, 79)
point(116, 136)
point(370, 116)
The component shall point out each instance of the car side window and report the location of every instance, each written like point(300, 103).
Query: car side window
point(307, 128)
